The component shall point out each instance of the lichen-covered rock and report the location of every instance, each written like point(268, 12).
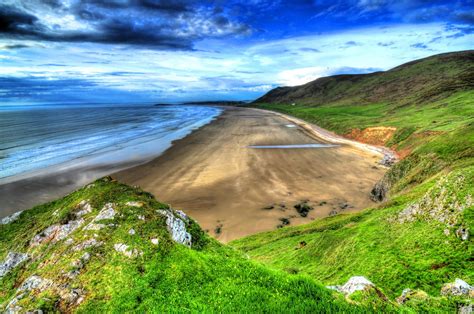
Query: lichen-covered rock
point(56, 233)
point(182, 215)
point(87, 244)
point(126, 250)
point(177, 228)
point(10, 218)
point(35, 283)
point(107, 212)
point(458, 288)
point(84, 208)
point(12, 260)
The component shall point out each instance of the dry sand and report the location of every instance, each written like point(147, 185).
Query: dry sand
point(218, 180)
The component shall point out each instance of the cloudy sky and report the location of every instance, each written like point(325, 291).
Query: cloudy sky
point(171, 51)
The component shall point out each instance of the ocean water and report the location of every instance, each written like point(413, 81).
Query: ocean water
point(36, 139)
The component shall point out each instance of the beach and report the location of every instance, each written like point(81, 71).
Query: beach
point(242, 173)
point(232, 189)
point(48, 151)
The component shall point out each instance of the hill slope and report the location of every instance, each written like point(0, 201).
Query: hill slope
point(419, 237)
point(109, 247)
point(417, 81)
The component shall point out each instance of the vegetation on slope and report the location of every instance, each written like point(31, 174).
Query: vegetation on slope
point(419, 238)
point(112, 268)
point(422, 80)
point(395, 246)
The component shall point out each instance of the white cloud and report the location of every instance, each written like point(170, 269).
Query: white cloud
point(239, 69)
point(301, 75)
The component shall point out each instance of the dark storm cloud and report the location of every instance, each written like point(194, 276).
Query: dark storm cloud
point(15, 46)
point(156, 23)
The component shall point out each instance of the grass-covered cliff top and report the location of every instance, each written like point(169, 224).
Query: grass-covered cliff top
point(109, 247)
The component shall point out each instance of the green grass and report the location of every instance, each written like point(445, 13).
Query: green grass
point(209, 277)
point(395, 256)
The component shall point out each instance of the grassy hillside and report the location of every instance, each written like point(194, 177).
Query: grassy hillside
point(418, 81)
point(425, 111)
point(84, 268)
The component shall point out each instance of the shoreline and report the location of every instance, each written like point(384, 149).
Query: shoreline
point(35, 188)
point(215, 176)
point(228, 187)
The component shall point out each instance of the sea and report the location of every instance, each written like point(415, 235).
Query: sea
point(37, 139)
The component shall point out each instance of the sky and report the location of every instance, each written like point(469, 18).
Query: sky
point(135, 51)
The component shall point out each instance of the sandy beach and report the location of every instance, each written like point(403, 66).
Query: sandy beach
point(234, 190)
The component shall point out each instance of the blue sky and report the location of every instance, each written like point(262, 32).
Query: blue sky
point(172, 51)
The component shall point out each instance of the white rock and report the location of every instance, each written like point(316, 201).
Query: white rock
point(35, 282)
point(182, 214)
point(87, 244)
point(141, 217)
point(10, 218)
point(131, 231)
point(84, 208)
point(125, 250)
point(107, 212)
point(154, 241)
point(354, 284)
point(177, 228)
point(56, 233)
point(12, 260)
point(457, 288)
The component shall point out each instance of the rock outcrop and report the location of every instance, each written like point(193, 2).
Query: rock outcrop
point(126, 250)
point(441, 203)
point(12, 260)
point(380, 190)
point(10, 218)
point(458, 288)
point(177, 227)
point(106, 213)
point(56, 232)
point(356, 283)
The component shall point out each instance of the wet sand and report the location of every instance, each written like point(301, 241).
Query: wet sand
point(233, 190)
